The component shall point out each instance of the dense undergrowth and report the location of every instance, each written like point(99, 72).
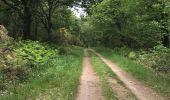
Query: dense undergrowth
point(30, 69)
point(129, 61)
point(34, 52)
point(57, 79)
point(19, 58)
point(157, 58)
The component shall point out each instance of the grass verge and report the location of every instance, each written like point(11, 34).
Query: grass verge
point(59, 79)
point(140, 72)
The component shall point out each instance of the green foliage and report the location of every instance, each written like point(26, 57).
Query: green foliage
point(158, 59)
point(132, 55)
point(124, 51)
point(5, 40)
point(35, 53)
point(157, 81)
point(12, 69)
point(64, 36)
point(163, 64)
point(57, 79)
point(64, 50)
point(17, 63)
point(132, 23)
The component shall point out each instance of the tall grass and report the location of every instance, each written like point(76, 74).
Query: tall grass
point(59, 79)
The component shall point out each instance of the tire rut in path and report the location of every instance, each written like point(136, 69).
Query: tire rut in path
point(89, 88)
point(141, 91)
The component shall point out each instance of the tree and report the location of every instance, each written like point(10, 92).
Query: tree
point(133, 23)
point(24, 10)
point(47, 10)
point(88, 4)
point(164, 23)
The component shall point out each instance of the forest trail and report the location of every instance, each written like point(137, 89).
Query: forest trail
point(89, 88)
point(141, 91)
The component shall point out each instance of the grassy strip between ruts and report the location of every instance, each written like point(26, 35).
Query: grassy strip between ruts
point(104, 72)
point(59, 79)
point(144, 74)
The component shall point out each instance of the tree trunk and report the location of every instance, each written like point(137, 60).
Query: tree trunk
point(165, 40)
point(49, 28)
point(49, 34)
point(27, 22)
point(36, 29)
point(164, 23)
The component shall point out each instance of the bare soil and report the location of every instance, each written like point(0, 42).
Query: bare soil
point(141, 91)
point(89, 88)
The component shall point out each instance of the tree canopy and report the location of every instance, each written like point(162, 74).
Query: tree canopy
point(133, 23)
point(113, 23)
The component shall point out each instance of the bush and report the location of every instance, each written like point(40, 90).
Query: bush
point(64, 50)
point(124, 51)
point(11, 67)
point(157, 58)
point(163, 63)
point(64, 36)
point(34, 52)
point(5, 40)
point(132, 55)
point(13, 73)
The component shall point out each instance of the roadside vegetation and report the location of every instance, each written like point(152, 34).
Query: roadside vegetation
point(57, 78)
point(42, 41)
point(37, 70)
point(149, 76)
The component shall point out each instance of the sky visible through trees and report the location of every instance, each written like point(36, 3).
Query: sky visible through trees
point(42, 42)
point(78, 11)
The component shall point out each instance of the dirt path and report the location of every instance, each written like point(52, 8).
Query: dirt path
point(89, 88)
point(122, 93)
point(138, 89)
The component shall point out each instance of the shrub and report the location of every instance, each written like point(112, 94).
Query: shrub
point(64, 36)
point(126, 52)
point(11, 67)
point(13, 73)
point(5, 40)
point(157, 58)
point(132, 55)
point(34, 52)
point(163, 63)
point(64, 50)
